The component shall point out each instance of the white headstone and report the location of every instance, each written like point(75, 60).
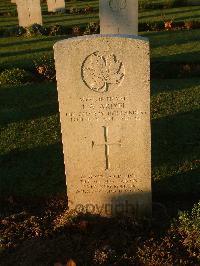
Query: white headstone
point(104, 102)
point(35, 12)
point(29, 12)
point(55, 5)
point(60, 5)
point(51, 5)
point(119, 17)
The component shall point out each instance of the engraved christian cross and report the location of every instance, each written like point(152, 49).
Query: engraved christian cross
point(107, 145)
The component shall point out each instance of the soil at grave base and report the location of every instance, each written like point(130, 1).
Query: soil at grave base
point(48, 233)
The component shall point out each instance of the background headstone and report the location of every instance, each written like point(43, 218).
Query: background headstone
point(118, 17)
point(29, 12)
point(51, 5)
point(104, 101)
point(60, 5)
point(23, 13)
point(35, 12)
point(56, 5)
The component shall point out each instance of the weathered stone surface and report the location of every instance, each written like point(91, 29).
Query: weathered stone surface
point(35, 12)
point(119, 16)
point(55, 5)
point(60, 5)
point(104, 101)
point(51, 5)
point(29, 12)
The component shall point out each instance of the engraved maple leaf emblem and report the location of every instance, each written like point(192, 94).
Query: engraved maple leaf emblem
point(99, 72)
point(117, 5)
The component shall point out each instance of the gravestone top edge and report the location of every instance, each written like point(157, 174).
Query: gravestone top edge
point(95, 36)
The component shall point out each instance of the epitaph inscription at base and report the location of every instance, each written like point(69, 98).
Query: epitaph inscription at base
point(104, 102)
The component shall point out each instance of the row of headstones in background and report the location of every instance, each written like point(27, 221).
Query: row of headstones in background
point(104, 102)
point(116, 16)
point(29, 11)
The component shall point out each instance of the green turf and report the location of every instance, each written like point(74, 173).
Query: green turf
point(21, 52)
point(176, 14)
point(175, 135)
point(175, 46)
point(179, 46)
point(31, 160)
point(166, 1)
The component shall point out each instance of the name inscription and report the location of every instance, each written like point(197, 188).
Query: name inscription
point(105, 109)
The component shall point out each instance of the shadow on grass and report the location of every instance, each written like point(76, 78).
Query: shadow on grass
point(170, 13)
point(188, 17)
point(187, 57)
point(8, 19)
point(166, 38)
point(175, 161)
point(31, 41)
point(178, 192)
point(70, 19)
point(169, 85)
point(24, 61)
point(14, 24)
point(27, 102)
point(181, 186)
point(28, 51)
point(31, 173)
point(175, 139)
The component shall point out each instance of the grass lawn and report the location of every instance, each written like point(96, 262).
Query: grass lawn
point(21, 52)
point(30, 141)
point(167, 46)
point(36, 228)
point(178, 46)
point(176, 14)
point(175, 46)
